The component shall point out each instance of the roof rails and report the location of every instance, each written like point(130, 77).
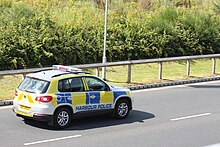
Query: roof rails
point(59, 75)
point(41, 70)
point(70, 73)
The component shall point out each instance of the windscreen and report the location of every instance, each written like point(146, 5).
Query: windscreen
point(33, 85)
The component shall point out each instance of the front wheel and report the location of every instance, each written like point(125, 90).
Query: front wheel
point(62, 118)
point(122, 109)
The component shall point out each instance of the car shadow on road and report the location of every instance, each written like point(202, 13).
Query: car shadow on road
point(98, 121)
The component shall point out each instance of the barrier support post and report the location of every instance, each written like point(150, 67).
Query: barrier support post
point(213, 65)
point(160, 70)
point(129, 74)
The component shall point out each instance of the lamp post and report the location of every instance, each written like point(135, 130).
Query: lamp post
point(105, 34)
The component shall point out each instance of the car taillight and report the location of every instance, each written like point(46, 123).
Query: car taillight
point(16, 93)
point(44, 98)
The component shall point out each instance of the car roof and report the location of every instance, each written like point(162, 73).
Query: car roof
point(48, 75)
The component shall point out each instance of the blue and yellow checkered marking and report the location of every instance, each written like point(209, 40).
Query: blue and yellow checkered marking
point(80, 99)
point(106, 97)
point(74, 99)
point(94, 97)
point(64, 98)
point(87, 98)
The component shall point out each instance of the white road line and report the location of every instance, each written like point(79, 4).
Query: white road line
point(50, 140)
point(192, 116)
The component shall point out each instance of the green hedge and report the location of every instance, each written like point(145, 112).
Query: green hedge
point(35, 35)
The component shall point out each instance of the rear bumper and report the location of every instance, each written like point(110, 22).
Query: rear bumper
point(46, 118)
point(38, 117)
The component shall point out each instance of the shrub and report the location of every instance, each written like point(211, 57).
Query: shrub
point(42, 33)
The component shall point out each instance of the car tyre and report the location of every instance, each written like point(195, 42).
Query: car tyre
point(62, 118)
point(122, 109)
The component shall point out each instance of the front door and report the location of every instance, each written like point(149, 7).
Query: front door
point(99, 93)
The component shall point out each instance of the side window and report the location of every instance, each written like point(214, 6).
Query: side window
point(95, 84)
point(71, 85)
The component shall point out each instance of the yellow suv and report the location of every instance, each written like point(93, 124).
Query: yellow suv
point(60, 94)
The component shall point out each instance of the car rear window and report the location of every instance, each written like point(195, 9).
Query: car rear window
point(34, 85)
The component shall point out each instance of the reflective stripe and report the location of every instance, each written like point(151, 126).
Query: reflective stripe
point(85, 84)
point(106, 97)
point(119, 93)
point(128, 93)
point(64, 98)
point(79, 98)
point(54, 100)
point(94, 97)
point(23, 113)
point(87, 98)
point(53, 88)
point(30, 99)
point(26, 98)
point(20, 96)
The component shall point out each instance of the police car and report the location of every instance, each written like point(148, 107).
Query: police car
point(62, 93)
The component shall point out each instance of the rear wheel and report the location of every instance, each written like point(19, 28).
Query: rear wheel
point(122, 109)
point(62, 118)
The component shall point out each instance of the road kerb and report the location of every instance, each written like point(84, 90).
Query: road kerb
point(6, 102)
point(147, 86)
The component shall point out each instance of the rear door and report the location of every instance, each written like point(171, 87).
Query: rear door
point(72, 91)
point(26, 92)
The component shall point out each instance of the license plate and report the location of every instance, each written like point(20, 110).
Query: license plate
point(25, 108)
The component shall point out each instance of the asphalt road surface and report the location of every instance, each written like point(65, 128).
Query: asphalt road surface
point(179, 116)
